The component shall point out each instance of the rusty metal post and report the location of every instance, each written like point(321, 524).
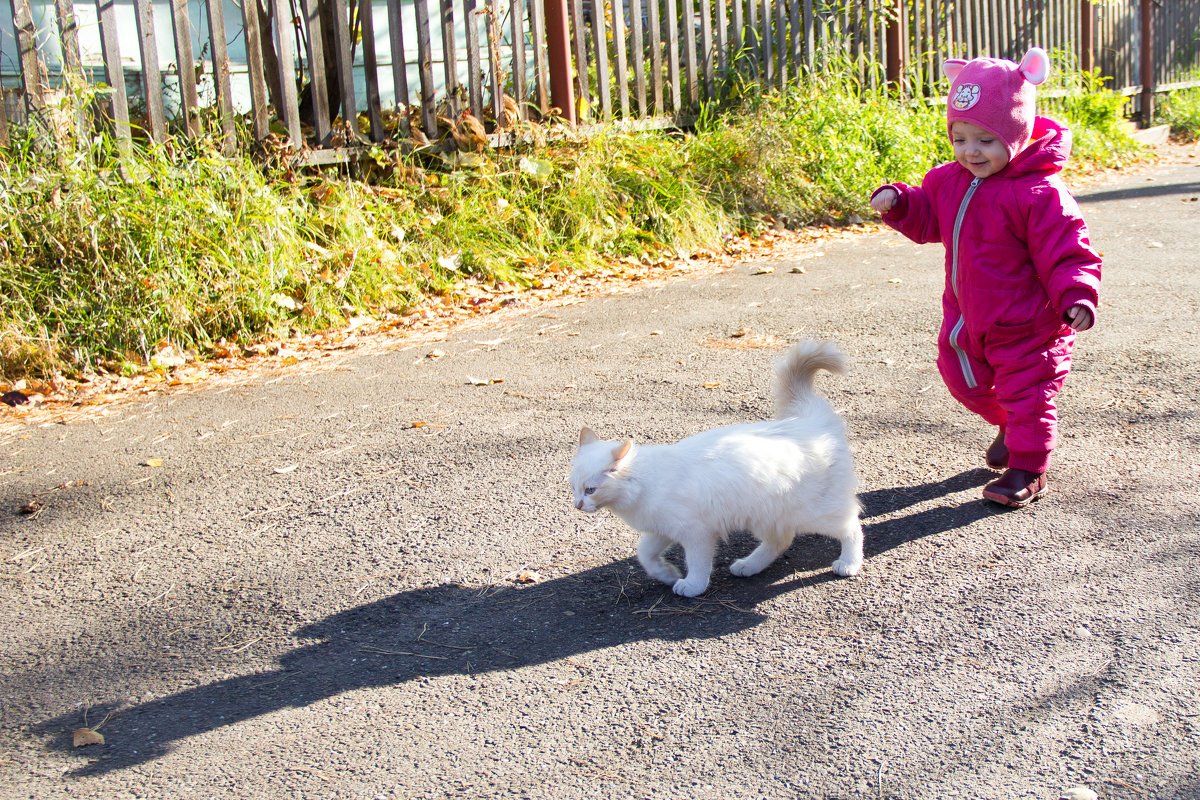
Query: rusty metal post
point(558, 38)
point(1146, 104)
point(1087, 35)
point(895, 49)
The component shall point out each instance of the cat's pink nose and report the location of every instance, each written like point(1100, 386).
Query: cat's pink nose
point(579, 505)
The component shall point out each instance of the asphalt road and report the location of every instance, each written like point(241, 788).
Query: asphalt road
point(363, 577)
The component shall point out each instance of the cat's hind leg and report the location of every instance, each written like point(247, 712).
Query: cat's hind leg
point(769, 548)
point(850, 535)
point(650, 551)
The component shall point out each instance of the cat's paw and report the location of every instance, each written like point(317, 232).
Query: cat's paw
point(689, 588)
point(664, 571)
point(847, 569)
point(744, 568)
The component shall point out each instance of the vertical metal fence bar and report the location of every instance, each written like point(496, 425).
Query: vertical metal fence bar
point(809, 36)
point(541, 55)
point(471, 29)
point(399, 61)
point(737, 33)
point(796, 38)
point(766, 43)
point(722, 33)
point(366, 16)
point(622, 66)
point(706, 49)
point(425, 69)
point(517, 29)
point(185, 64)
point(68, 37)
point(33, 82)
point(781, 37)
point(5, 140)
point(583, 92)
point(220, 73)
point(637, 47)
point(672, 55)
point(656, 66)
point(688, 24)
point(495, 71)
point(287, 72)
point(260, 122)
point(318, 91)
point(600, 45)
point(750, 34)
point(449, 55)
point(118, 103)
point(152, 87)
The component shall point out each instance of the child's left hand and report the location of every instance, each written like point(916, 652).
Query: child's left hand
point(1079, 318)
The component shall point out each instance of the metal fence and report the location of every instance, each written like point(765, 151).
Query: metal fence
point(327, 72)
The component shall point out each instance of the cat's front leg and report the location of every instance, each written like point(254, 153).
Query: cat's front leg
point(650, 551)
point(699, 557)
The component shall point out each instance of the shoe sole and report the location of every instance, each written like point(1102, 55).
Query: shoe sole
point(1009, 502)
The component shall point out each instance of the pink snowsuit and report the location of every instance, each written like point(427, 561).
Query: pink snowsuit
point(1017, 258)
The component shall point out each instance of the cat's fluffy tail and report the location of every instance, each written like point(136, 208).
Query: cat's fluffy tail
point(795, 370)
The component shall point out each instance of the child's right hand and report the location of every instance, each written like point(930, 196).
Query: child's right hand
point(883, 202)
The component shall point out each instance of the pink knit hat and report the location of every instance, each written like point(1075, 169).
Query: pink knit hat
point(997, 95)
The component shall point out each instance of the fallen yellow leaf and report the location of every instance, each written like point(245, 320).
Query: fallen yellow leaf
point(152, 462)
point(82, 737)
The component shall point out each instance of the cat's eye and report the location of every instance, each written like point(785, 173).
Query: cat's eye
point(590, 490)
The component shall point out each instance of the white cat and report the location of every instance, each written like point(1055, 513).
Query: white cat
point(775, 479)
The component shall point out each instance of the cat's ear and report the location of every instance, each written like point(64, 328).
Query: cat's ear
point(587, 436)
point(621, 451)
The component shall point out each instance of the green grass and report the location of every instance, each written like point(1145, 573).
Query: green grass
point(1181, 110)
point(105, 259)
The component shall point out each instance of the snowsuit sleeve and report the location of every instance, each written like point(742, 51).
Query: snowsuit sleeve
point(1066, 263)
point(913, 213)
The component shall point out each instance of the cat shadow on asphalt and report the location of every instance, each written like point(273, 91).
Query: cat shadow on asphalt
point(470, 630)
point(429, 632)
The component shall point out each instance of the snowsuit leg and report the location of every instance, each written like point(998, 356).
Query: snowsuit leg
point(980, 398)
point(1027, 381)
point(1015, 387)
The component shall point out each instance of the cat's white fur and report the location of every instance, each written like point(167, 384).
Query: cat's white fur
point(776, 478)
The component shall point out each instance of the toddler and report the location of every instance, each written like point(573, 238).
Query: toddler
point(1021, 275)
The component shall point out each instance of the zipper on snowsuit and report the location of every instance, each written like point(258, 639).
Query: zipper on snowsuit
point(963, 361)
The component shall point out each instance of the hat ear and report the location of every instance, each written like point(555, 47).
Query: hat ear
point(952, 66)
point(1035, 66)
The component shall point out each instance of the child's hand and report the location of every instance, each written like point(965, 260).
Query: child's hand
point(883, 202)
point(1079, 318)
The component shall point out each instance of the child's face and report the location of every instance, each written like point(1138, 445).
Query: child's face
point(980, 151)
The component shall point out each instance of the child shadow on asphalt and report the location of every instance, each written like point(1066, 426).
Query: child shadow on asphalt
point(879, 537)
point(460, 630)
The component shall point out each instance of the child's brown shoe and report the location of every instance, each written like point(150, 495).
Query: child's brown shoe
point(997, 453)
point(1016, 488)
